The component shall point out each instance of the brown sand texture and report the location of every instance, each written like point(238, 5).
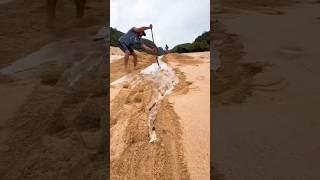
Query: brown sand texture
point(193, 108)
point(132, 155)
point(266, 91)
point(51, 89)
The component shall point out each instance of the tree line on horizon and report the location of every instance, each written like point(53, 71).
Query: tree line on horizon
point(200, 44)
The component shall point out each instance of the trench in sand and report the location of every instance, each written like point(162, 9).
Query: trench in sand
point(136, 100)
point(162, 80)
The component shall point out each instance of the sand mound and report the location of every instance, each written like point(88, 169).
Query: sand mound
point(234, 77)
point(117, 67)
point(132, 156)
point(115, 51)
point(182, 59)
point(57, 132)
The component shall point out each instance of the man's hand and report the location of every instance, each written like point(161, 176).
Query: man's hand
point(143, 28)
point(148, 48)
point(154, 50)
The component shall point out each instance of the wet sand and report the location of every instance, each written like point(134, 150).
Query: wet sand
point(270, 134)
point(52, 92)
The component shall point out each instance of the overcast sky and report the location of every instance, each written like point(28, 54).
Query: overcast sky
point(174, 21)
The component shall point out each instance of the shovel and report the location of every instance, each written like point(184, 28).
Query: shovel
point(156, 47)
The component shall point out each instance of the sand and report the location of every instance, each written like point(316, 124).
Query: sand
point(18, 32)
point(117, 66)
point(193, 108)
point(5, 1)
point(116, 54)
point(52, 92)
point(266, 125)
point(131, 154)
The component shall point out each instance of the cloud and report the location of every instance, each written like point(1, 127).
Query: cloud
point(174, 22)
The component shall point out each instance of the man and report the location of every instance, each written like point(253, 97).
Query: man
point(131, 38)
point(167, 49)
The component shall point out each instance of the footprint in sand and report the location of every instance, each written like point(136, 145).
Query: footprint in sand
point(290, 53)
point(273, 86)
point(272, 12)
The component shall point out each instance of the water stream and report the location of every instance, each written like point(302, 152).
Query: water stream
point(163, 81)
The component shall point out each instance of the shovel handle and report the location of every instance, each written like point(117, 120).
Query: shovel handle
point(156, 47)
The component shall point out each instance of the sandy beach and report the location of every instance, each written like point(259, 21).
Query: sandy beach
point(174, 155)
point(52, 93)
point(193, 108)
point(267, 119)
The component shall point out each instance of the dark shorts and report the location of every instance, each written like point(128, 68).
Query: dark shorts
point(125, 47)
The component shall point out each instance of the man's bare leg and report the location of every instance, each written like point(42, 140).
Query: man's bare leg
point(135, 59)
point(126, 59)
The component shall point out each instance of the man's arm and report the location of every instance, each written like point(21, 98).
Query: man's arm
point(148, 48)
point(143, 28)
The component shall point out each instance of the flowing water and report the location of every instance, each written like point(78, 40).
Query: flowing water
point(163, 80)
